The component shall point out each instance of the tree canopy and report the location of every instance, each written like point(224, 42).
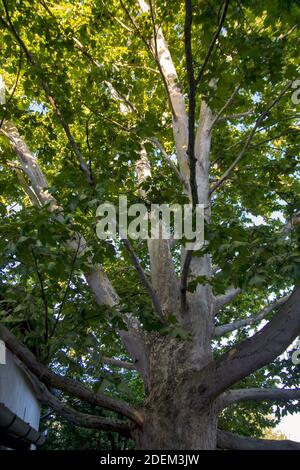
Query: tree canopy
point(97, 95)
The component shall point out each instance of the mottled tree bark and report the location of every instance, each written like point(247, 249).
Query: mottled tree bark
point(172, 413)
point(185, 387)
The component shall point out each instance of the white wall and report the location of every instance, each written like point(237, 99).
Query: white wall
point(16, 392)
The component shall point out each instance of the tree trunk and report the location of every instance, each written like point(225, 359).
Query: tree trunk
point(173, 416)
point(173, 426)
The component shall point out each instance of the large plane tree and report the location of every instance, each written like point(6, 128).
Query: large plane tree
point(165, 102)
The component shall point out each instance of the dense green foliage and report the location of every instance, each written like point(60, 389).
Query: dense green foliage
point(44, 298)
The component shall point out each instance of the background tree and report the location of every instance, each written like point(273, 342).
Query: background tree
point(277, 435)
point(164, 102)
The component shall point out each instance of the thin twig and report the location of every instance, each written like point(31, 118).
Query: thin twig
point(67, 288)
point(249, 139)
point(212, 44)
point(43, 296)
point(226, 105)
point(171, 164)
point(234, 116)
point(13, 90)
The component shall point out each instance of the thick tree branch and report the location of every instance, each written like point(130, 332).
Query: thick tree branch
point(126, 242)
point(188, 255)
point(163, 276)
point(127, 106)
point(292, 223)
point(27, 189)
point(253, 353)
point(153, 45)
point(110, 361)
point(192, 98)
point(191, 138)
point(97, 279)
point(229, 440)
point(176, 97)
point(202, 154)
point(225, 299)
point(99, 283)
point(143, 277)
point(31, 59)
point(134, 343)
point(66, 384)
point(223, 329)
point(200, 266)
point(70, 414)
point(28, 163)
point(258, 394)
